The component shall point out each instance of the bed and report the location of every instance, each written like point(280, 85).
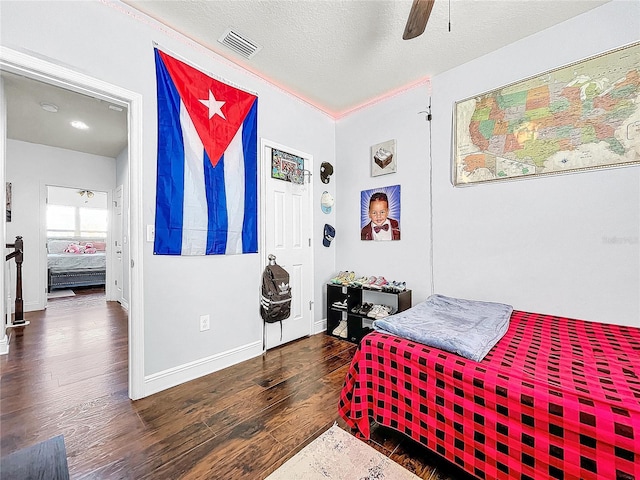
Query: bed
point(554, 398)
point(73, 263)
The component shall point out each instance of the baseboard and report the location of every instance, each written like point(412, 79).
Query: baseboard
point(29, 307)
point(4, 345)
point(319, 326)
point(190, 371)
point(124, 304)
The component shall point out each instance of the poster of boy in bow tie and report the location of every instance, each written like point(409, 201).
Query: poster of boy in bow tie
point(380, 214)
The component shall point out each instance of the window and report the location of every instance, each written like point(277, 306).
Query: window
point(61, 221)
point(93, 222)
point(77, 222)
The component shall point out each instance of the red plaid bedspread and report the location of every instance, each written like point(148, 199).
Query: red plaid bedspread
point(555, 398)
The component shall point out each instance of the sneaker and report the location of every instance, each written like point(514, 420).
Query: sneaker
point(370, 281)
point(379, 283)
point(338, 278)
point(348, 278)
point(383, 311)
point(358, 282)
point(340, 305)
point(374, 311)
point(366, 308)
point(395, 287)
point(342, 327)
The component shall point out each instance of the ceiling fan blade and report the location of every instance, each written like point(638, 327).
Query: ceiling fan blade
point(418, 17)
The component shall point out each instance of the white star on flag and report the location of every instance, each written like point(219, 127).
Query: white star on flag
point(215, 106)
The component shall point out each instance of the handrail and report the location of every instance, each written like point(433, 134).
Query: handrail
point(18, 255)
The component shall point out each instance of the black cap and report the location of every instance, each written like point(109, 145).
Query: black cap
point(326, 170)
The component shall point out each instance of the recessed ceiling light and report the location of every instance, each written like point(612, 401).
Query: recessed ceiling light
point(79, 125)
point(49, 107)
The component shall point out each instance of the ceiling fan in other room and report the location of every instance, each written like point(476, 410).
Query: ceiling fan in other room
point(418, 17)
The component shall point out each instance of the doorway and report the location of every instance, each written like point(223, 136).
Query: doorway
point(77, 235)
point(287, 223)
point(52, 74)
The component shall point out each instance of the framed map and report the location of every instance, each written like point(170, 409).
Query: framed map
point(579, 117)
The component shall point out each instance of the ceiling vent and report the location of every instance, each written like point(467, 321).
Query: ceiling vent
point(239, 44)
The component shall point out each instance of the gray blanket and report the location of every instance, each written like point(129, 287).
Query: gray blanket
point(466, 327)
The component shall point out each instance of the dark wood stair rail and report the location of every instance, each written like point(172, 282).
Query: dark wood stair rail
point(17, 254)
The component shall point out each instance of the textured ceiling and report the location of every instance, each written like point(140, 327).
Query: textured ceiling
point(341, 54)
point(338, 55)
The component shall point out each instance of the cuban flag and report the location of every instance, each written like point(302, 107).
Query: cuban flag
point(206, 191)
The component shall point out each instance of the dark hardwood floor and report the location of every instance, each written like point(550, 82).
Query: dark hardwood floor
point(66, 374)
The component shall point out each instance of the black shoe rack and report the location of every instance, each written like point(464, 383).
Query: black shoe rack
point(359, 325)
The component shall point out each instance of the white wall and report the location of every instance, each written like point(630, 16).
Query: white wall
point(405, 259)
point(30, 168)
point(108, 41)
point(543, 244)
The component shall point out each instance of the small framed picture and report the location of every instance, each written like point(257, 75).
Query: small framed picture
point(383, 158)
point(8, 193)
point(286, 166)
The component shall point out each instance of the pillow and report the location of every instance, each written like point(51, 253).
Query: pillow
point(74, 248)
point(100, 246)
point(59, 246)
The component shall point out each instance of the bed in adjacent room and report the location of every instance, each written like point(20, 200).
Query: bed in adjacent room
point(72, 263)
point(554, 398)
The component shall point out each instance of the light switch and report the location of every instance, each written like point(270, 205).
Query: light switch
point(151, 232)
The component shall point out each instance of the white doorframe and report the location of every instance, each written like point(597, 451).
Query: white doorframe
point(47, 72)
point(6, 317)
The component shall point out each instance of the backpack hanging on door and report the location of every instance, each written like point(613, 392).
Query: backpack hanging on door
point(275, 297)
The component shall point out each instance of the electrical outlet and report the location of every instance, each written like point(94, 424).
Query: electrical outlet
point(204, 322)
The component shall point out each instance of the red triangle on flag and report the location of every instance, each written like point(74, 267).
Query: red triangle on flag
point(216, 109)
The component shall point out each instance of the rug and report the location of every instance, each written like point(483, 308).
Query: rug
point(338, 455)
point(61, 294)
point(45, 460)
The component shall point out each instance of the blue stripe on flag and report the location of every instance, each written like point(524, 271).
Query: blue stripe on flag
point(170, 176)
point(217, 206)
point(250, 147)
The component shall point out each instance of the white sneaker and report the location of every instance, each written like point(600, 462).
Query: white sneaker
point(384, 311)
point(342, 305)
point(342, 327)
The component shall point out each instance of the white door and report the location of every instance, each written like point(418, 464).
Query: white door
point(117, 243)
point(287, 224)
